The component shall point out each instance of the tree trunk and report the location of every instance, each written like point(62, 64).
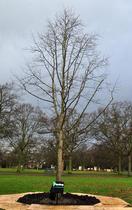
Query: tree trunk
point(67, 165)
point(59, 156)
point(18, 168)
point(129, 165)
point(70, 164)
point(62, 163)
point(119, 164)
point(20, 163)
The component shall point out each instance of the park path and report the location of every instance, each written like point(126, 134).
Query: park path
point(8, 202)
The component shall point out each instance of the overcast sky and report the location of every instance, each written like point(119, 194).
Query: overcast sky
point(112, 20)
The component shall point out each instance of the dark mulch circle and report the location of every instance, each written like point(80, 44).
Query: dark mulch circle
point(66, 199)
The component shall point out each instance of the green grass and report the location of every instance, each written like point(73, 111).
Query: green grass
point(25, 171)
point(100, 184)
point(41, 171)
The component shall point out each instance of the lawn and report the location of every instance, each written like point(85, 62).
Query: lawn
point(25, 171)
point(100, 184)
point(42, 172)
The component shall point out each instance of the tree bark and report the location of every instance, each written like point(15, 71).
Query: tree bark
point(20, 163)
point(119, 164)
point(70, 164)
point(129, 165)
point(62, 163)
point(59, 157)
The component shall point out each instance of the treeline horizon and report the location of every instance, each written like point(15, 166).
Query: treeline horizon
point(27, 136)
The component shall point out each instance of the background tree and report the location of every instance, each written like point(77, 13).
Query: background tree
point(74, 137)
point(66, 73)
point(126, 111)
point(44, 154)
point(113, 129)
point(82, 157)
point(102, 157)
point(8, 101)
point(24, 137)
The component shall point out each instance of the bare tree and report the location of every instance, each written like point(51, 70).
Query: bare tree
point(127, 132)
point(24, 137)
point(66, 73)
point(8, 101)
point(114, 129)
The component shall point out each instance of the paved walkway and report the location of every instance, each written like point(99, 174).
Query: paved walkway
point(8, 202)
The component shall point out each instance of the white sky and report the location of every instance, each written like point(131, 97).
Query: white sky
point(112, 20)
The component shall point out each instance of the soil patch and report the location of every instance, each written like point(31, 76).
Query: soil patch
point(66, 199)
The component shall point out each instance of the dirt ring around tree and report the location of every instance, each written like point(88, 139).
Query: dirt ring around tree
point(9, 202)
